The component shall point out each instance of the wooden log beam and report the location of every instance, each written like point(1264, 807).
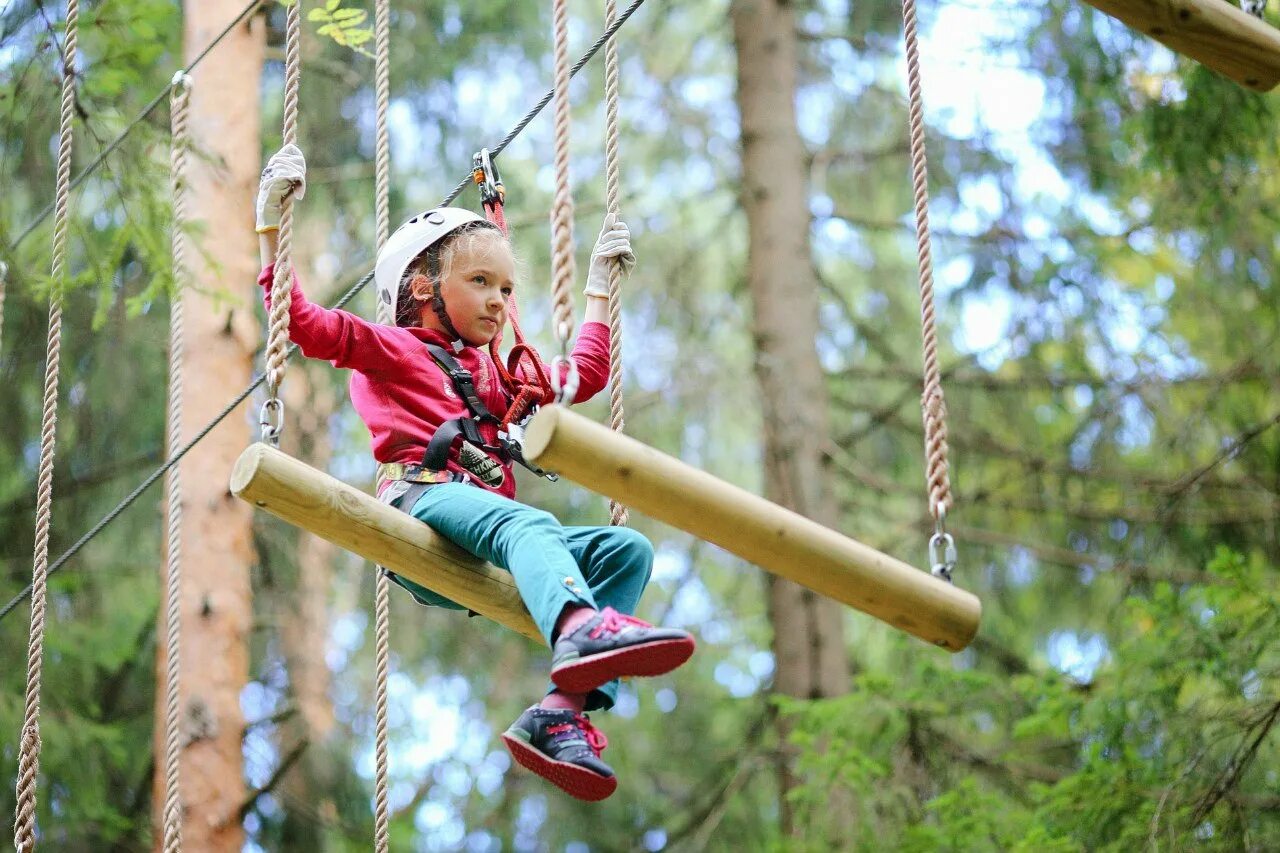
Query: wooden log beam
point(331, 509)
point(776, 539)
point(1213, 32)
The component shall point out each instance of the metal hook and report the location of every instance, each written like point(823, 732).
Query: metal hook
point(942, 548)
point(568, 389)
point(271, 419)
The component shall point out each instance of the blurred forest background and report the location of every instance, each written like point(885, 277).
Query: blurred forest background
point(1105, 236)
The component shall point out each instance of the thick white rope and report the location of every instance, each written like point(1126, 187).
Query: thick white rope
point(24, 826)
point(282, 283)
point(617, 416)
point(562, 270)
point(4, 275)
point(179, 111)
point(933, 405)
point(385, 314)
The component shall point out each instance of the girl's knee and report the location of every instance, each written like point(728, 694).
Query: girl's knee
point(634, 546)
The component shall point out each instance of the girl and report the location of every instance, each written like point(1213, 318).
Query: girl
point(430, 395)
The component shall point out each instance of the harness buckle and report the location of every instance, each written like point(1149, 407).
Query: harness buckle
point(487, 179)
point(512, 442)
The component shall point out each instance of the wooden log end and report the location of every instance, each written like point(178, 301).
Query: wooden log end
point(541, 432)
point(246, 467)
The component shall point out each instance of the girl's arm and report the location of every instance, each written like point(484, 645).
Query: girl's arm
point(597, 310)
point(591, 350)
point(268, 243)
point(336, 336)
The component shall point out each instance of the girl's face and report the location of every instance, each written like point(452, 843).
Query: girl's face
point(480, 277)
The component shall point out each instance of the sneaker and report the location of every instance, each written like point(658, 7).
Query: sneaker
point(613, 645)
point(563, 748)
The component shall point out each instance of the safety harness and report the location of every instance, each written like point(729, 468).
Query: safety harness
point(523, 379)
point(435, 460)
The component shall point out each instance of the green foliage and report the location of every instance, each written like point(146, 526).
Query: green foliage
point(343, 24)
point(1128, 324)
point(1171, 742)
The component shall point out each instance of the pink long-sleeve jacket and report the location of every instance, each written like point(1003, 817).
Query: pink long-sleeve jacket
point(399, 391)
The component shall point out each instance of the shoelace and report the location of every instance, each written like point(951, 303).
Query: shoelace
point(595, 738)
point(614, 622)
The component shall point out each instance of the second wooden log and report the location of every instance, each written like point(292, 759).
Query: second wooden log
point(776, 539)
point(1213, 32)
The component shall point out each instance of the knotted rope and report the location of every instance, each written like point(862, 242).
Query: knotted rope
point(617, 418)
point(179, 111)
point(385, 314)
point(933, 405)
point(24, 825)
point(282, 283)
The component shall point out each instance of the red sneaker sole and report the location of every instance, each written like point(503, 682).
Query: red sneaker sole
point(656, 658)
point(574, 780)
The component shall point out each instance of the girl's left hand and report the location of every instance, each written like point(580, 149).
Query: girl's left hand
point(613, 245)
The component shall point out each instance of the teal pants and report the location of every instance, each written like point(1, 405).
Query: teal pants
point(553, 566)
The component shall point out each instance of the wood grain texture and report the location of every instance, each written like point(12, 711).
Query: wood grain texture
point(310, 499)
point(776, 539)
point(1213, 32)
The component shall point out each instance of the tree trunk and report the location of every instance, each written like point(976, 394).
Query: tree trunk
point(221, 334)
point(808, 642)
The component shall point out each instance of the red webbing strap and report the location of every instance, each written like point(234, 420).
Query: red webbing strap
point(523, 373)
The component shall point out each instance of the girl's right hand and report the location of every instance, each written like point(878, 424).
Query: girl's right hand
point(285, 174)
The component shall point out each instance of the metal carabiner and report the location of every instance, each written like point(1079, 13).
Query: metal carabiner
point(942, 549)
point(568, 389)
point(486, 177)
point(271, 419)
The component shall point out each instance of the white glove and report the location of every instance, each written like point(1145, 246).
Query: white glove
point(286, 173)
point(614, 243)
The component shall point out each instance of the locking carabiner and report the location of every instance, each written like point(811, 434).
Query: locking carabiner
point(487, 179)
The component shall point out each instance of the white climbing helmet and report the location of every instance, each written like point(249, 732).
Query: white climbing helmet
point(412, 239)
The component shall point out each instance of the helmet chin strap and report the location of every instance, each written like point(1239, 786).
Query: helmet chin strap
point(437, 305)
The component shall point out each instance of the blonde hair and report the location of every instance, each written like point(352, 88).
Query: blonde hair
point(435, 264)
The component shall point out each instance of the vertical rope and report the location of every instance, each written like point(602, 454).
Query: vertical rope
point(4, 275)
point(562, 207)
point(385, 314)
point(278, 323)
point(617, 417)
point(932, 403)
point(179, 109)
point(24, 825)
point(382, 167)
